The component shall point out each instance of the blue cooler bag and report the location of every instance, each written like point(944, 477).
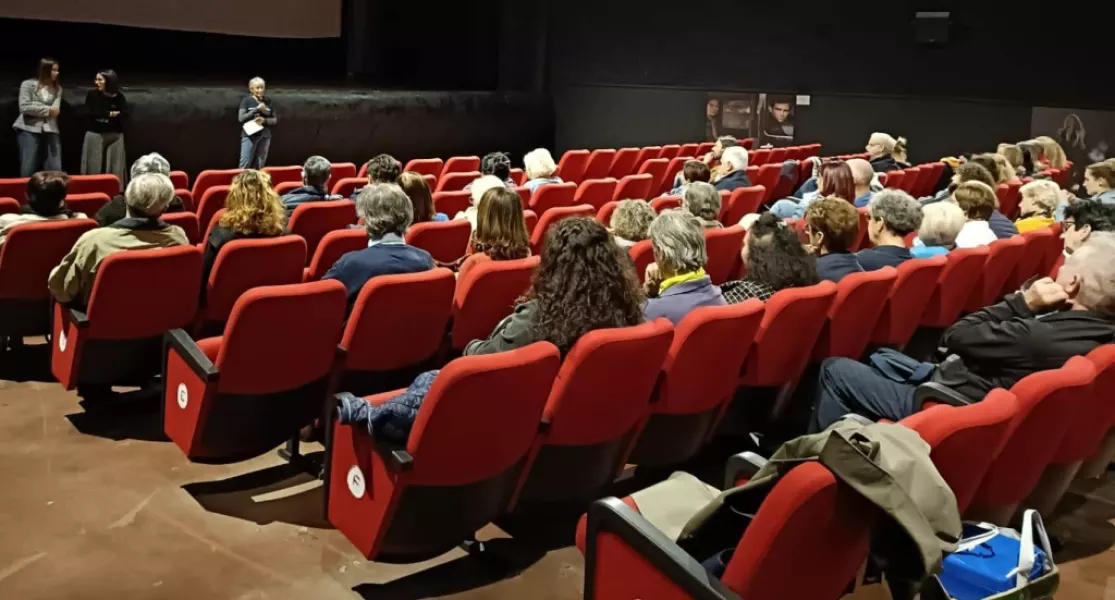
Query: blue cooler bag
point(996, 562)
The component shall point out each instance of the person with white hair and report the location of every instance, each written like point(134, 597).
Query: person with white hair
point(676, 283)
point(540, 168)
point(117, 208)
point(734, 165)
point(1039, 202)
point(147, 197)
point(894, 215)
point(315, 185)
point(941, 222)
point(257, 117)
point(476, 190)
point(881, 148)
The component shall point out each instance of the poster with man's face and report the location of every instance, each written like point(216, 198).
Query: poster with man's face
point(729, 114)
point(776, 120)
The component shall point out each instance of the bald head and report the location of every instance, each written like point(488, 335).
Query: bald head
point(862, 175)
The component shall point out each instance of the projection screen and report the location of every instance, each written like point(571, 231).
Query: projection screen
point(263, 18)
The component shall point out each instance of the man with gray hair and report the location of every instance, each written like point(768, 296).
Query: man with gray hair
point(387, 213)
point(881, 147)
point(703, 201)
point(734, 165)
point(676, 282)
point(315, 183)
point(894, 214)
point(147, 198)
point(1037, 329)
point(117, 208)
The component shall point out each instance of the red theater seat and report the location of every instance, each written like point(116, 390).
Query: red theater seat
point(208, 179)
point(1008, 204)
point(119, 338)
point(670, 151)
point(524, 195)
point(486, 296)
point(895, 179)
point(530, 220)
point(910, 180)
point(656, 168)
point(347, 186)
point(604, 215)
point(572, 166)
point(245, 264)
point(213, 222)
point(595, 192)
point(665, 203)
point(624, 163)
point(1039, 245)
point(960, 275)
point(180, 180)
point(859, 301)
point(391, 502)
point(704, 148)
point(446, 241)
point(461, 164)
point(634, 187)
point(91, 184)
point(786, 184)
point(551, 218)
point(759, 157)
point(698, 379)
point(341, 171)
point(332, 247)
point(778, 155)
point(742, 202)
point(455, 181)
point(10, 205)
point(592, 417)
point(552, 195)
point(689, 150)
point(674, 167)
point(237, 396)
point(27, 257)
point(87, 203)
point(313, 220)
point(723, 246)
point(915, 284)
point(451, 203)
point(645, 154)
point(768, 178)
point(642, 255)
point(187, 198)
point(518, 176)
point(187, 221)
point(427, 166)
point(863, 240)
point(212, 201)
point(599, 164)
point(291, 174)
point(14, 188)
point(1002, 259)
point(287, 187)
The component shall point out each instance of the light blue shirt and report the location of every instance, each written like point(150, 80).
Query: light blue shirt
point(534, 184)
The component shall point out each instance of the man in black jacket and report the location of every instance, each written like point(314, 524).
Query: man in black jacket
point(315, 179)
point(880, 146)
point(1034, 330)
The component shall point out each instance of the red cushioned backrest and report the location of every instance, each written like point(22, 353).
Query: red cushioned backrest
point(451, 203)
point(180, 180)
point(107, 184)
point(786, 183)
point(656, 168)
point(572, 165)
point(588, 403)
point(426, 166)
point(1014, 196)
point(187, 198)
point(419, 305)
point(965, 440)
point(552, 195)
point(962, 270)
point(9, 205)
point(461, 164)
point(286, 187)
point(623, 574)
point(604, 215)
point(689, 150)
point(702, 366)
point(753, 174)
point(670, 151)
point(212, 200)
point(144, 293)
point(595, 192)
point(809, 518)
point(187, 221)
point(742, 202)
point(346, 186)
point(642, 254)
point(895, 180)
point(645, 154)
point(1002, 258)
point(768, 178)
point(530, 221)
point(523, 192)
point(455, 181)
point(208, 179)
point(634, 187)
point(488, 295)
point(213, 221)
point(910, 179)
point(759, 157)
point(446, 241)
point(518, 176)
point(333, 246)
point(481, 415)
point(777, 155)
point(854, 312)
point(281, 337)
point(289, 174)
point(624, 163)
point(312, 220)
point(599, 163)
point(723, 245)
point(663, 203)
point(914, 285)
point(1097, 412)
point(674, 167)
point(1047, 402)
point(792, 315)
point(341, 171)
point(551, 218)
point(31, 251)
point(1039, 244)
point(87, 203)
point(704, 148)
point(15, 188)
point(245, 264)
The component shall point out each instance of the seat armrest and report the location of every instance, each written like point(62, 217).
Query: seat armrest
point(78, 317)
point(933, 391)
point(198, 362)
point(744, 464)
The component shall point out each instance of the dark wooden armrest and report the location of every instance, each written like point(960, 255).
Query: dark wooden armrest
point(198, 362)
point(742, 464)
point(933, 391)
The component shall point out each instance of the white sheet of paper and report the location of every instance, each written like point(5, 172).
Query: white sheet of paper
point(252, 128)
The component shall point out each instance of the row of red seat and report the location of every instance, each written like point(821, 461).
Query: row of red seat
point(920, 181)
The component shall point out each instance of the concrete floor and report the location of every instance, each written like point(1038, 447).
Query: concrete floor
point(93, 504)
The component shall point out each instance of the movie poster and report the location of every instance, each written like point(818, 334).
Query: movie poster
point(1086, 135)
point(729, 114)
point(776, 120)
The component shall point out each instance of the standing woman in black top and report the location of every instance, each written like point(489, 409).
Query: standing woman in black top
point(107, 108)
point(256, 108)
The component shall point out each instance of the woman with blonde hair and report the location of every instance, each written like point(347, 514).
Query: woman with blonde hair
point(540, 168)
point(501, 232)
point(1013, 155)
point(252, 210)
point(1052, 152)
point(630, 222)
point(1039, 201)
point(1007, 174)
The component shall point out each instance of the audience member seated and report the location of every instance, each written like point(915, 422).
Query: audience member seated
point(1052, 154)
point(387, 213)
point(734, 166)
point(1013, 155)
point(676, 282)
point(832, 228)
point(584, 282)
point(862, 176)
point(692, 172)
point(315, 183)
point(703, 201)
point(1034, 330)
point(416, 188)
point(383, 168)
point(974, 171)
point(1099, 183)
point(941, 222)
point(900, 153)
point(147, 197)
point(881, 148)
point(477, 189)
point(540, 168)
point(253, 210)
point(630, 221)
point(993, 166)
point(1032, 161)
point(495, 164)
point(1007, 173)
point(894, 215)
point(715, 157)
point(501, 233)
point(775, 260)
point(46, 201)
point(117, 208)
point(1039, 202)
point(1083, 220)
point(977, 200)
point(834, 179)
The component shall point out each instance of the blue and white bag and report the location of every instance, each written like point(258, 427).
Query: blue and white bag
point(996, 562)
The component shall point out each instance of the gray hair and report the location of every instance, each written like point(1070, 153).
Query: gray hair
point(703, 200)
point(885, 140)
point(148, 195)
point(631, 219)
point(898, 210)
point(736, 156)
point(678, 239)
point(482, 185)
point(941, 222)
point(316, 171)
point(150, 163)
point(539, 164)
point(1044, 193)
point(1092, 263)
point(254, 81)
point(385, 208)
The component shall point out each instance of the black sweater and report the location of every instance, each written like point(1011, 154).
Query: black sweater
point(98, 105)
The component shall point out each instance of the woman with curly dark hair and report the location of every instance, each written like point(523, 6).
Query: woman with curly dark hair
point(585, 282)
point(775, 259)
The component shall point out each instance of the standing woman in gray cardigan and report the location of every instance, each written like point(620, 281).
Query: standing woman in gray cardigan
point(103, 151)
point(256, 107)
point(40, 100)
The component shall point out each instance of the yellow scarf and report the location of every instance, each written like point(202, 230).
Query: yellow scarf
point(676, 279)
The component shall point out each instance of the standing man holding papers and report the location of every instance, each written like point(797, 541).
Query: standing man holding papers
point(256, 120)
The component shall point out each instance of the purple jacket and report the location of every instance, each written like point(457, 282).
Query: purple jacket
point(679, 299)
